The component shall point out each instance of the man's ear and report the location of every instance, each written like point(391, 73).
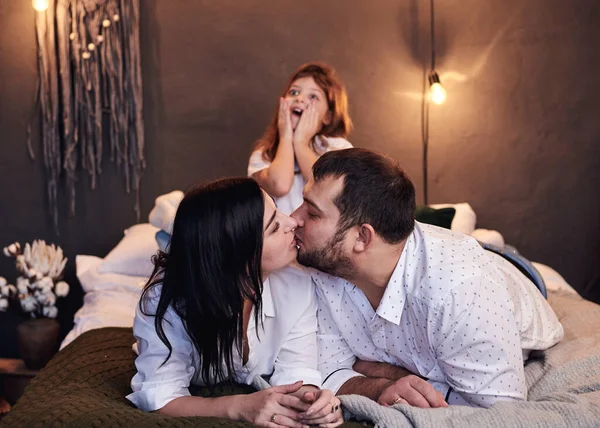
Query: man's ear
point(364, 238)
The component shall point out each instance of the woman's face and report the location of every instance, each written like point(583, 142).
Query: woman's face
point(279, 246)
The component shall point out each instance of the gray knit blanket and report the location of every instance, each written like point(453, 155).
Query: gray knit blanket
point(563, 384)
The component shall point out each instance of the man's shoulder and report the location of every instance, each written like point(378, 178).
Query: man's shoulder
point(325, 280)
point(443, 263)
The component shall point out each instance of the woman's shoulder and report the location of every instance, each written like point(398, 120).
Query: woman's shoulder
point(292, 282)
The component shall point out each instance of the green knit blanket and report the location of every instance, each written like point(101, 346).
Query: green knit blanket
point(86, 383)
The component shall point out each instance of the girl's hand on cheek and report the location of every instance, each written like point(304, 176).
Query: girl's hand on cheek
point(308, 126)
point(284, 121)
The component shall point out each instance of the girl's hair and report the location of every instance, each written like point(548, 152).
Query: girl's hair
point(212, 265)
point(337, 100)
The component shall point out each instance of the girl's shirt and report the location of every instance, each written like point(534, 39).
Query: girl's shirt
point(288, 203)
point(283, 350)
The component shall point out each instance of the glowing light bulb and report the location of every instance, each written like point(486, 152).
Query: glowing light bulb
point(437, 93)
point(40, 5)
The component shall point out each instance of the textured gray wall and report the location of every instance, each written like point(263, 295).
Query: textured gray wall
point(518, 137)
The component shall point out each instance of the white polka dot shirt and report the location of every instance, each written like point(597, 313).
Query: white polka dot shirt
point(460, 316)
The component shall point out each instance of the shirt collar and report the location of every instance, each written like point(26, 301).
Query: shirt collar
point(392, 303)
point(268, 308)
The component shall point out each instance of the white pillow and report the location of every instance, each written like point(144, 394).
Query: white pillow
point(133, 255)
point(464, 219)
point(165, 207)
point(91, 279)
point(110, 299)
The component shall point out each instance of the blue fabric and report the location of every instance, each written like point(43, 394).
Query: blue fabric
point(525, 266)
point(162, 239)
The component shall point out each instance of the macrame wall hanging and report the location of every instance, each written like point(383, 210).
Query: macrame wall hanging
point(89, 92)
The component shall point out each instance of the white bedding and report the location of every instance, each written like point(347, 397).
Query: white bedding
point(109, 299)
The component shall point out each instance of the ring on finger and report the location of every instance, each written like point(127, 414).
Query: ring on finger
point(397, 400)
point(273, 417)
point(334, 407)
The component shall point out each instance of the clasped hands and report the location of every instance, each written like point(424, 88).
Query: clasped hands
point(279, 406)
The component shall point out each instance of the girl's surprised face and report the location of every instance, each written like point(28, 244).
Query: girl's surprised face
point(302, 93)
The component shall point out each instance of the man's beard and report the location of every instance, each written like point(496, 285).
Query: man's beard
point(330, 258)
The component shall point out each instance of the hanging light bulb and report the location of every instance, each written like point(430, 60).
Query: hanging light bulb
point(437, 92)
point(40, 5)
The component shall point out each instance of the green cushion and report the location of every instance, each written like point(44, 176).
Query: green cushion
point(441, 217)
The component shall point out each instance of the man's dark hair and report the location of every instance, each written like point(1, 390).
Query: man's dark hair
point(376, 191)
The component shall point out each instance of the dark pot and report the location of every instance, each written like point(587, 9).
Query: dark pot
point(38, 340)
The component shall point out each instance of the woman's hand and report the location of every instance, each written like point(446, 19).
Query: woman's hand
point(325, 409)
point(284, 121)
point(307, 127)
point(272, 407)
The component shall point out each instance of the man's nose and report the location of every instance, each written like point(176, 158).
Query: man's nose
point(297, 218)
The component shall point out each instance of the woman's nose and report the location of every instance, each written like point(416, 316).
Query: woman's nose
point(290, 225)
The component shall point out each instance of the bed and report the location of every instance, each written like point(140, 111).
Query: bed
point(85, 384)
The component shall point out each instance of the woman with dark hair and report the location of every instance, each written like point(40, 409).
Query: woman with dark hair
point(223, 305)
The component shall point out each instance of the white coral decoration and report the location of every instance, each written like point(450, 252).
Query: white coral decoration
point(47, 260)
point(41, 267)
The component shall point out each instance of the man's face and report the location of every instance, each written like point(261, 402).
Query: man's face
point(321, 245)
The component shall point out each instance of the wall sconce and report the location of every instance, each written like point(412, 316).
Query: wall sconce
point(437, 93)
point(40, 5)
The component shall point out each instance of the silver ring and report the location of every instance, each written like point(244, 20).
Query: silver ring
point(273, 416)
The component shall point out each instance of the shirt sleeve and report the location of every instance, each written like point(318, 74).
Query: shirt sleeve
point(477, 344)
point(338, 143)
point(257, 163)
point(297, 358)
point(155, 384)
point(335, 356)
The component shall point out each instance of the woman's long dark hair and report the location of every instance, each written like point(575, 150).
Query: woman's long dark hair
point(212, 265)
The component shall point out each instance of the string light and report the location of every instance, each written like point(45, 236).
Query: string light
point(40, 5)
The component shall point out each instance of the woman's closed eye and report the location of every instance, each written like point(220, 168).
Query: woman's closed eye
point(277, 224)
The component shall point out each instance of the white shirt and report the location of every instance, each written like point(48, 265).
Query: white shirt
point(460, 316)
point(285, 352)
point(288, 203)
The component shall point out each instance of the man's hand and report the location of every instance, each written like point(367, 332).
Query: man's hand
point(379, 369)
point(412, 390)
